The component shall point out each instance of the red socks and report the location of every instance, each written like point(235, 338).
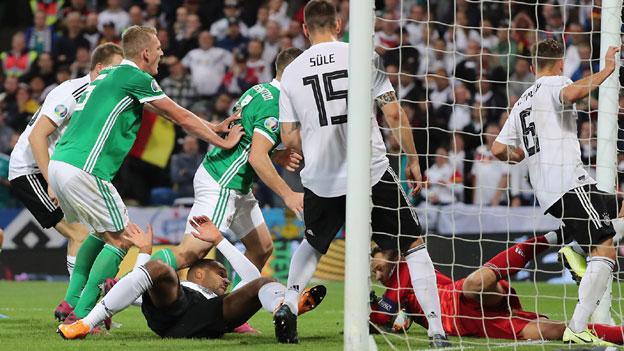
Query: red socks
point(512, 260)
point(614, 334)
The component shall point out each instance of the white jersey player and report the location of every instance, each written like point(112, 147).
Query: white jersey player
point(542, 129)
point(28, 167)
point(313, 116)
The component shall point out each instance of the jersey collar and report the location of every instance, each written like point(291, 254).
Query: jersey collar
point(128, 62)
point(275, 83)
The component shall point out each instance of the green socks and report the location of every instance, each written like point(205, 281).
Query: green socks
point(106, 265)
point(167, 256)
point(87, 253)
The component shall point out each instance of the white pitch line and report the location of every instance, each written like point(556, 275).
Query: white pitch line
point(496, 346)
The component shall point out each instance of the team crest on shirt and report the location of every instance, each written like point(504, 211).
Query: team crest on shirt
point(60, 111)
point(155, 86)
point(271, 124)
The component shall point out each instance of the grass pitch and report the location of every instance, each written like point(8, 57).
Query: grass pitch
point(30, 324)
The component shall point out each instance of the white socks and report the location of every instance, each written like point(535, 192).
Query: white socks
point(271, 296)
point(592, 288)
point(425, 287)
point(71, 262)
point(302, 267)
point(602, 314)
point(124, 293)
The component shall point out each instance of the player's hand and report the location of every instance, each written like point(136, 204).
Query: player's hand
point(287, 158)
point(294, 201)
point(205, 230)
point(610, 58)
point(52, 195)
point(234, 136)
point(139, 238)
point(224, 127)
point(414, 177)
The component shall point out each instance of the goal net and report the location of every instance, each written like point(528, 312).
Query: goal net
point(458, 67)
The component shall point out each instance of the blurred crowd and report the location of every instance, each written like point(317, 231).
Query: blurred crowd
point(457, 66)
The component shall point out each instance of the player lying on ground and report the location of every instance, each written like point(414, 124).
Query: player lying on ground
point(102, 130)
point(316, 123)
point(28, 168)
point(541, 128)
point(223, 182)
point(482, 305)
point(197, 308)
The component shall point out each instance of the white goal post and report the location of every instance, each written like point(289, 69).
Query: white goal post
point(358, 215)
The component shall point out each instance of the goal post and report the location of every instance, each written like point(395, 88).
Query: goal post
point(608, 98)
point(358, 208)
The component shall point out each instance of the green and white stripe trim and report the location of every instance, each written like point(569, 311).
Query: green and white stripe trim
point(219, 212)
point(265, 134)
point(113, 211)
point(105, 133)
point(234, 167)
point(117, 251)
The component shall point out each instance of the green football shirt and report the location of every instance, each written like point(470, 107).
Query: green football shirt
point(260, 110)
point(106, 120)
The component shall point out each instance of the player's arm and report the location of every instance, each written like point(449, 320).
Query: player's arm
point(223, 127)
point(206, 231)
point(291, 135)
point(290, 126)
point(261, 162)
point(399, 124)
point(507, 153)
point(38, 139)
point(583, 87)
point(194, 125)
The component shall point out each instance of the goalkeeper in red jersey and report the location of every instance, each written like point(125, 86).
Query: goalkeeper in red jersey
point(481, 305)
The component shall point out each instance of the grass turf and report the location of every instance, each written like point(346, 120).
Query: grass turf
point(30, 325)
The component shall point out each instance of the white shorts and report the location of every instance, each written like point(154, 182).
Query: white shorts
point(87, 199)
point(234, 213)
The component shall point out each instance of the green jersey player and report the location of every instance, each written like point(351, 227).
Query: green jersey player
point(222, 183)
point(102, 130)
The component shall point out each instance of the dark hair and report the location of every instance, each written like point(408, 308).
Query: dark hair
point(205, 263)
point(319, 14)
point(393, 255)
point(285, 57)
point(546, 53)
point(104, 54)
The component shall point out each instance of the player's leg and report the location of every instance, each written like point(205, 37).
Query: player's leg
point(248, 224)
point(610, 333)
point(75, 233)
point(543, 329)
point(155, 277)
point(243, 303)
point(579, 209)
point(395, 226)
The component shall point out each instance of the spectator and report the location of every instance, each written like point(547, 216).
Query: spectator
point(79, 6)
point(40, 37)
point(39, 91)
point(50, 8)
point(406, 56)
point(278, 12)
point(91, 32)
point(26, 107)
point(460, 33)
point(443, 183)
point(409, 88)
point(9, 101)
point(116, 14)
point(271, 42)
point(589, 144)
point(506, 50)
point(239, 77)
point(191, 34)
point(152, 15)
point(208, 65)
point(260, 68)
point(295, 32)
point(440, 95)
point(521, 79)
point(220, 109)
point(520, 190)
point(438, 59)
point(415, 26)
point(234, 39)
point(586, 64)
point(72, 38)
point(573, 38)
point(489, 174)
point(554, 24)
point(179, 26)
point(178, 85)
point(467, 70)
point(44, 67)
point(18, 61)
point(109, 34)
point(488, 39)
point(494, 102)
point(460, 115)
point(136, 16)
point(474, 129)
point(387, 37)
point(457, 153)
point(82, 65)
point(184, 165)
point(258, 30)
point(231, 12)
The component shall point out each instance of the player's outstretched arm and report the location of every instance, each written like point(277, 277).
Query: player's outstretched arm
point(400, 126)
point(261, 162)
point(194, 125)
point(206, 230)
point(582, 88)
point(507, 153)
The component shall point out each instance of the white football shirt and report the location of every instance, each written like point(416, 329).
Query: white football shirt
point(545, 130)
point(58, 107)
point(314, 92)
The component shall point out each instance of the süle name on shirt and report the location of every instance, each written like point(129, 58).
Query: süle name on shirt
point(320, 60)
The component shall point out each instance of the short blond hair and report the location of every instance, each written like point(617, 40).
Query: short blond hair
point(135, 39)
